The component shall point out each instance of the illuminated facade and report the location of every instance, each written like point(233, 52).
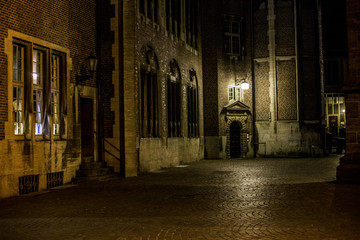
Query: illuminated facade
point(158, 73)
point(274, 46)
point(177, 81)
point(40, 130)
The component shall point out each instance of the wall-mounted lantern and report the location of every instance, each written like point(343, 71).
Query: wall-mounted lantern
point(242, 83)
point(90, 65)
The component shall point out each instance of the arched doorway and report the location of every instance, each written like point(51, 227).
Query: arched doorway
point(235, 145)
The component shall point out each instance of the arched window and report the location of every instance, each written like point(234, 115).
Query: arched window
point(193, 109)
point(173, 100)
point(149, 97)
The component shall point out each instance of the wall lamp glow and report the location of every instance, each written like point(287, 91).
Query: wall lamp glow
point(243, 83)
point(90, 65)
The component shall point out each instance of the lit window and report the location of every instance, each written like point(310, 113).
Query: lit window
point(18, 86)
point(55, 76)
point(235, 93)
point(18, 110)
point(37, 89)
point(40, 87)
point(231, 93)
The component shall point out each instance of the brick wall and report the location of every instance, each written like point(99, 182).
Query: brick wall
point(309, 76)
point(69, 24)
point(106, 39)
point(286, 84)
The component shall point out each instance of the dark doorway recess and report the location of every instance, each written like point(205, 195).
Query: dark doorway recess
point(235, 149)
point(87, 127)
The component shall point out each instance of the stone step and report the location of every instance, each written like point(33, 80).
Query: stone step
point(92, 165)
point(109, 177)
point(87, 159)
point(94, 172)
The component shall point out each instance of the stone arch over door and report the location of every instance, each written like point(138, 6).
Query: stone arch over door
point(241, 121)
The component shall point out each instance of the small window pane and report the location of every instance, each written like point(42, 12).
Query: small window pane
point(226, 26)
point(236, 42)
point(227, 44)
point(235, 27)
point(336, 108)
point(330, 109)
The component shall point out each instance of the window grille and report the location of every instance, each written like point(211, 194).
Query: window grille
point(54, 179)
point(28, 184)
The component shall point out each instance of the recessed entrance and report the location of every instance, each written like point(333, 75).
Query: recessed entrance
point(235, 145)
point(87, 128)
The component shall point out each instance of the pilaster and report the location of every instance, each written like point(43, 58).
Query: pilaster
point(349, 168)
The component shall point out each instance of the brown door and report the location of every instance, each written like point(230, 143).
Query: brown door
point(235, 140)
point(333, 125)
point(87, 127)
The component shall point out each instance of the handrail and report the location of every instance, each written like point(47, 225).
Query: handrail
point(107, 151)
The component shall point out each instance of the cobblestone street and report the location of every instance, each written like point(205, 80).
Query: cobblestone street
point(211, 199)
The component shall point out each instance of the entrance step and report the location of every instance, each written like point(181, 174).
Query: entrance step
point(97, 171)
point(87, 159)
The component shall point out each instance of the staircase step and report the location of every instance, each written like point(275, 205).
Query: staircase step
point(87, 159)
point(94, 172)
point(105, 178)
point(92, 165)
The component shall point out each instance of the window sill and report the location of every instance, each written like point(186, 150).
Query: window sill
point(59, 140)
point(42, 140)
point(22, 140)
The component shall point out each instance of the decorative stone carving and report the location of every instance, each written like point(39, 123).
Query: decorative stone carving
point(239, 112)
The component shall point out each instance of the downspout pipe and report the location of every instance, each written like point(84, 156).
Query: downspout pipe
point(253, 76)
point(321, 68)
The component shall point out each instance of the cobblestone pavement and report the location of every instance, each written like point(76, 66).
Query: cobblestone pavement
point(212, 199)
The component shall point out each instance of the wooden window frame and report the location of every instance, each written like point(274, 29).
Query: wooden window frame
point(18, 88)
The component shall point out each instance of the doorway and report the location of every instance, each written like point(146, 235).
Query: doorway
point(235, 149)
point(333, 125)
point(87, 127)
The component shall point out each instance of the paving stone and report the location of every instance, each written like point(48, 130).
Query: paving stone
point(261, 198)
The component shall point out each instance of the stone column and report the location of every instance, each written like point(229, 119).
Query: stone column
point(272, 60)
point(349, 168)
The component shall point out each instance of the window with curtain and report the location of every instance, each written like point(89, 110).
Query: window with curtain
point(38, 87)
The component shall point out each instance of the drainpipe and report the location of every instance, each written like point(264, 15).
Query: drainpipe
point(321, 65)
point(272, 62)
point(253, 76)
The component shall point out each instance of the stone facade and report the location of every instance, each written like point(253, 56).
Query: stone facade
point(279, 60)
point(141, 33)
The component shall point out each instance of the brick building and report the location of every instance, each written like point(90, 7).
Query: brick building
point(274, 46)
point(157, 85)
point(177, 81)
point(141, 111)
point(42, 46)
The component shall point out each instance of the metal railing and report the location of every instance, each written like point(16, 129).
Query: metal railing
point(104, 150)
